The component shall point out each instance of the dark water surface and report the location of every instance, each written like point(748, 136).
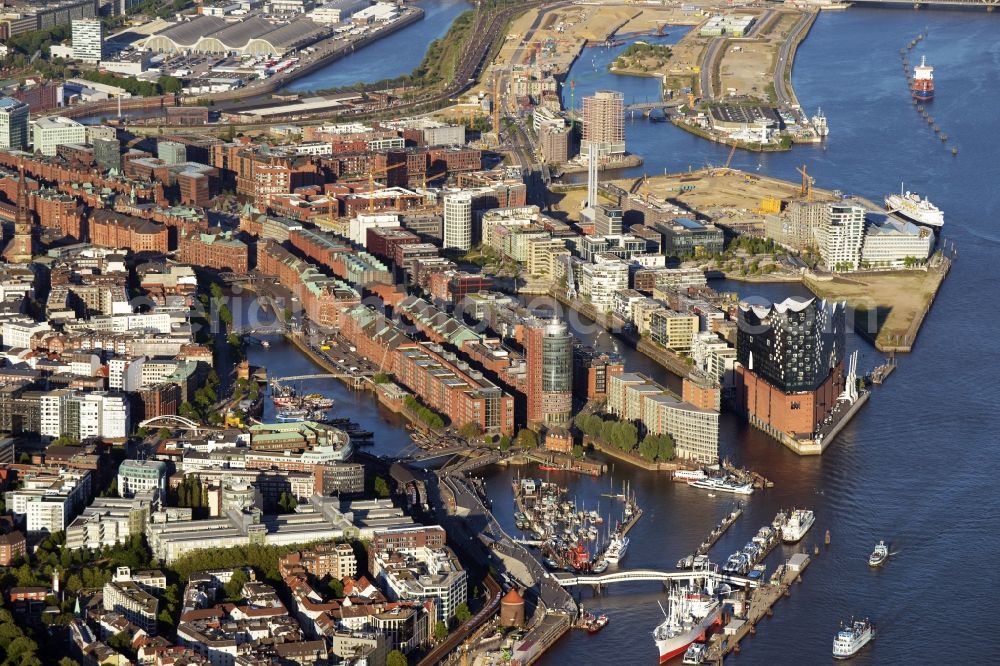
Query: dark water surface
point(391, 56)
point(917, 467)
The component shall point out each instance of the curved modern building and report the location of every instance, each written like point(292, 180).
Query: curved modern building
point(458, 220)
point(251, 36)
point(549, 349)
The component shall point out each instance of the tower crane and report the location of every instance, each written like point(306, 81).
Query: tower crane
point(382, 171)
point(807, 183)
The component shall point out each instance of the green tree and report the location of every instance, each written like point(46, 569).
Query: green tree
point(577, 451)
point(397, 658)
point(470, 430)
point(122, 642)
point(170, 84)
point(381, 487)
point(336, 588)
point(234, 588)
point(164, 433)
point(527, 439)
point(440, 631)
point(666, 448)
point(504, 442)
point(462, 613)
point(649, 448)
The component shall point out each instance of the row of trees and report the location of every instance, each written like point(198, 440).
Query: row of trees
point(192, 493)
point(620, 434)
point(163, 85)
point(657, 448)
point(426, 414)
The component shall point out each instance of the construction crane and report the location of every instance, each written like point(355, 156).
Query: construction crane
point(383, 171)
point(729, 160)
point(807, 183)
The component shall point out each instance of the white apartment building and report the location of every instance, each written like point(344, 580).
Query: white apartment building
point(458, 220)
point(423, 573)
point(599, 282)
point(48, 500)
point(50, 132)
point(18, 332)
point(840, 237)
point(891, 242)
point(84, 415)
point(88, 40)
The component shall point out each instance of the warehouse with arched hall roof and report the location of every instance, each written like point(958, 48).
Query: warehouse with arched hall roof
point(251, 36)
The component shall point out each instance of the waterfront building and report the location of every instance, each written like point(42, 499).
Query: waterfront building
point(604, 124)
point(684, 236)
point(840, 237)
point(88, 40)
point(673, 330)
point(791, 372)
point(891, 242)
point(50, 132)
point(694, 429)
point(548, 346)
point(599, 282)
point(14, 134)
point(592, 370)
point(458, 221)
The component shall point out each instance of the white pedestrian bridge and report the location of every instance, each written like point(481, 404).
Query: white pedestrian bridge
point(567, 579)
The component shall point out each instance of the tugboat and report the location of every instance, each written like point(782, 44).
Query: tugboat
point(851, 638)
point(879, 555)
point(596, 624)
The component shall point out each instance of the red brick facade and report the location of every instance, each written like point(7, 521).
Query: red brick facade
point(794, 413)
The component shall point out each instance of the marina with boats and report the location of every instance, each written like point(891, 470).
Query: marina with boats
point(569, 537)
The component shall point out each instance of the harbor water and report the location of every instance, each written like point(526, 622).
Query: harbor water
point(917, 465)
point(392, 56)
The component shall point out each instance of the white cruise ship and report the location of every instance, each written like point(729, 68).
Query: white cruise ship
point(798, 523)
point(851, 638)
point(912, 207)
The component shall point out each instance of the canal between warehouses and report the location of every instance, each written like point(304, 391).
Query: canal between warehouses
point(916, 467)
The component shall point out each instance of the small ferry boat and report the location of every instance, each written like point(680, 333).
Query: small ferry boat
point(723, 485)
point(287, 415)
point(595, 624)
point(879, 555)
point(798, 523)
point(695, 653)
point(600, 566)
point(689, 475)
point(851, 638)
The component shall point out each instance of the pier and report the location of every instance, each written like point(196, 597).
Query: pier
point(760, 604)
point(719, 530)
